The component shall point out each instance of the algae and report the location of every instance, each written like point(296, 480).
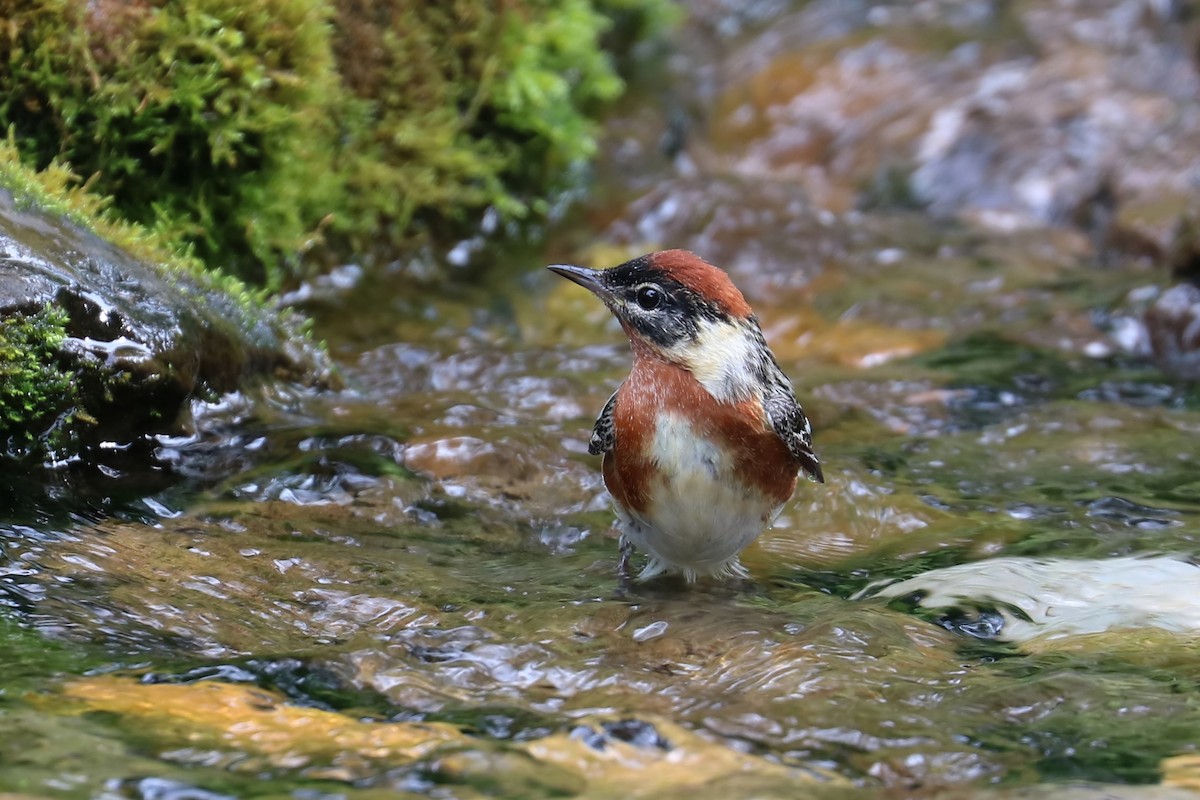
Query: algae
point(27, 659)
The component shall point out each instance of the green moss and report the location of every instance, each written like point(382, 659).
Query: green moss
point(247, 131)
point(201, 119)
point(465, 105)
point(34, 388)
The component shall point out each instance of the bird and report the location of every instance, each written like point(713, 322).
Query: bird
point(704, 441)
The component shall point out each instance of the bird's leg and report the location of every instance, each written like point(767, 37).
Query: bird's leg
point(626, 553)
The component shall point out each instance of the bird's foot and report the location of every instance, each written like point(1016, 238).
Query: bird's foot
point(733, 569)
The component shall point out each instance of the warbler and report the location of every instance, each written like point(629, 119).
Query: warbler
point(704, 441)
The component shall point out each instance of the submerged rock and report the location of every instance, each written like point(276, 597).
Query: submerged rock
point(260, 727)
point(99, 349)
point(1019, 599)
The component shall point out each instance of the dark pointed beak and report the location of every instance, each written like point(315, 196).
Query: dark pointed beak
point(587, 278)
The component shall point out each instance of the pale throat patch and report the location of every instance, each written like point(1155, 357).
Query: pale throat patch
point(722, 359)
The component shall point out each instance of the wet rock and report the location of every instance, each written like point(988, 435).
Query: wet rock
point(830, 97)
point(509, 475)
point(463, 456)
point(249, 729)
point(833, 118)
point(494, 425)
point(251, 723)
point(1161, 326)
point(227, 595)
point(1055, 598)
point(616, 767)
point(134, 343)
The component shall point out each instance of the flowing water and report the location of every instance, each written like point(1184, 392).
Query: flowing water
point(408, 589)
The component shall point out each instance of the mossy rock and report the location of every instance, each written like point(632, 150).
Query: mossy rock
point(97, 345)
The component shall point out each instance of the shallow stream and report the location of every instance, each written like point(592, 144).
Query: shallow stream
point(408, 589)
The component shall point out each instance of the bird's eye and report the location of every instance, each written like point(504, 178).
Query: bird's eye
point(649, 297)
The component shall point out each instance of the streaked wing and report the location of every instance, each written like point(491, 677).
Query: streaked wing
point(604, 433)
point(788, 419)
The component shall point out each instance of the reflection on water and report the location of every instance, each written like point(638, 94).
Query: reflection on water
point(407, 586)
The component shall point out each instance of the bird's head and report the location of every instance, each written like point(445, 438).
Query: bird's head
point(677, 307)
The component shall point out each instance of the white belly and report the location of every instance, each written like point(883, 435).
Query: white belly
point(701, 516)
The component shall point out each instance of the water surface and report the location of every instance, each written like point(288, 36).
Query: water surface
point(408, 587)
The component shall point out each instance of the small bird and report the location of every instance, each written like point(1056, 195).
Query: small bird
point(704, 440)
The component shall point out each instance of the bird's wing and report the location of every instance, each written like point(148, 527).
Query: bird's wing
point(788, 419)
point(604, 433)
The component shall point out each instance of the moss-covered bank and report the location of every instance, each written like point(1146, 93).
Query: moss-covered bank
point(254, 131)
